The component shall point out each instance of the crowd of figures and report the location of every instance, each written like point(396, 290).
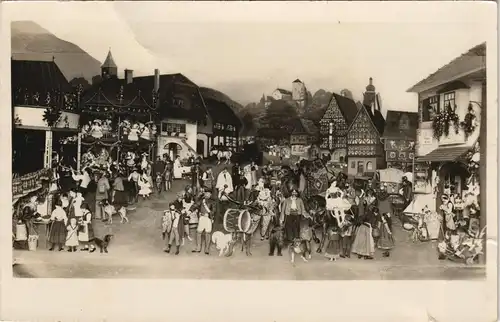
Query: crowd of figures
point(350, 219)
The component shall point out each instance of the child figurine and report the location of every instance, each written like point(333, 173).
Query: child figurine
point(72, 236)
point(306, 224)
point(174, 232)
point(346, 231)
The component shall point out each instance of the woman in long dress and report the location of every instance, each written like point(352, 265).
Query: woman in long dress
point(57, 236)
point(364, 245)
point(177, 168)
point(385, 241)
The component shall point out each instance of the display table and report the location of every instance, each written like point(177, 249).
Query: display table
point(38, 225)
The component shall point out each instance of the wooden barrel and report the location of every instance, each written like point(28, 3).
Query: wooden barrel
point(237, 220)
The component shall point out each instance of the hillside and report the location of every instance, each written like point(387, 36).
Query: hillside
point(30, 41)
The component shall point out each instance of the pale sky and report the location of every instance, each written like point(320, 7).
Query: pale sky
point(247, 49)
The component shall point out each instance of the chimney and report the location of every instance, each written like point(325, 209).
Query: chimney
point(129, 76)
point(371, 81)
point(157, 80)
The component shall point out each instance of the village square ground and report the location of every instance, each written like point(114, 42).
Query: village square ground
point(137, 252)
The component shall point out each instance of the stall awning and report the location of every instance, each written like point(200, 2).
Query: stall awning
point(444, 154)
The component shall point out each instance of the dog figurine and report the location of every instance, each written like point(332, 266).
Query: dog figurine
point(299, 247)
point(223, 242)
point(276, 238)
point(110, 210)
point(102, 244)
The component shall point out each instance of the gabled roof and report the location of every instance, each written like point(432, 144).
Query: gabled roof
point(305, 126)
point(392, 128)
point(170, 86)
point(284, 91)
point(472, 61)
point(347, 107)
point(33, 81)
point(220, 112)
point(376, 119)
point(38, 76)
point(109, 62)
point(297, 81)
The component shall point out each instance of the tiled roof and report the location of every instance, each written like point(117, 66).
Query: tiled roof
point(392, 129)
point(39, 83)
point(305, 126)
point(347, 106)
point(378, 120)
point(284, 91)
point(38, 76)
point(170, 85)
point(472, 60)
point(444, 154)
point(221, 112)
point(109, 62)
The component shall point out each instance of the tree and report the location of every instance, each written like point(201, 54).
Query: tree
point(347, 93)
point(96, 79)
point(279, 119)
point(77, 81)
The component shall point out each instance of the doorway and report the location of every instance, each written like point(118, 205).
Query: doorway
point(200, 147)
point(173, 150)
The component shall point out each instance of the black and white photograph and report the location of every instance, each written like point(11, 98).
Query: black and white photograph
point(164, 147)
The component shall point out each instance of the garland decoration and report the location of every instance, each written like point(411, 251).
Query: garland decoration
point(441, 122)
point(52, 115)
point(469, 123)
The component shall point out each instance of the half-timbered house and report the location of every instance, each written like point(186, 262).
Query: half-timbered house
point(304, 135)
point(399, 137)
point(334, 124)
point(365, 151)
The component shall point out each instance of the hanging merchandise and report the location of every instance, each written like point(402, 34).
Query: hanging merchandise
point(442, 122)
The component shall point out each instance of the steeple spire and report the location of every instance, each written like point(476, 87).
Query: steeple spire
point(109, 67)
point(109, 62)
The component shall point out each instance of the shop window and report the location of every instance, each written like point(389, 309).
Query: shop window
point(369, 166)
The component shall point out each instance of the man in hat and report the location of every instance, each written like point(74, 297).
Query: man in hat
point(159, 171)
point(196, 173)
point(224, 187)
point(207, 212)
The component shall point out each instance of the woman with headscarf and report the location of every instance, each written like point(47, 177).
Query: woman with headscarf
point(364, 245)
point(291, 211)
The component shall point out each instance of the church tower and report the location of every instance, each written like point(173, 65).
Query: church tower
point(109, 68)
point(369, 97)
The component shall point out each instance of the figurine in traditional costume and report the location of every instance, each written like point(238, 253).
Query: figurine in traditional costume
point(144, 161)
point(447, 208)
point(133, 134)
point(130, 157)
point(85, 129)
point(145, 132)
point(265, 200)
point(125, 128)
point(96, 129)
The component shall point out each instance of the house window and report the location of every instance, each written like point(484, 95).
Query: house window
point(361, 167)
point(231, 128)
point(353, 164)
point(178, 102)
point(369, 166)
point(430, 108)
point(404, 122)
point(174, 127)
point(449, 100)
point(219, 126)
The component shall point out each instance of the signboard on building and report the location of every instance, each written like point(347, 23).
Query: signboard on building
point(33, 117)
